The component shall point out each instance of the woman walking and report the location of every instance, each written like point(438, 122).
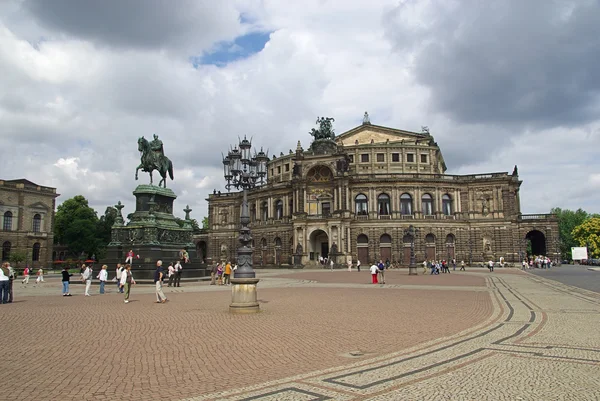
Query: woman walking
point(102, 276)
point(127, 281)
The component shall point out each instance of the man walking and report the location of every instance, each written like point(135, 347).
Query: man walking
point(491, 265)
point(462, 265)
point(87, 277)
point(40, 275)
point(227, 274)
point(381, 268)
point(213, 275)
point(358, 265)
point(127, 281)
point(158, 278)
point(171, 274)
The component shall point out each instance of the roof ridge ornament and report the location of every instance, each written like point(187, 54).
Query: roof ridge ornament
point(366, 119)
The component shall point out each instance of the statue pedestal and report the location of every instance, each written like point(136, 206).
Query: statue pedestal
point(243, 296)
point(154, 234)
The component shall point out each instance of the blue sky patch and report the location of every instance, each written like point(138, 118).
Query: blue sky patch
point(242, 47)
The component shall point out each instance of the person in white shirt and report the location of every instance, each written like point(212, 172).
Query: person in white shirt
point(178, 269)
point(358, 265)
point(374, 271)
point(119, 272)
point(331, 264)
point(40, 275)
point(4, 273)
point(87, 277)
point(127, 281)
point(491, 265)
point(102, 276)
point(171, 274)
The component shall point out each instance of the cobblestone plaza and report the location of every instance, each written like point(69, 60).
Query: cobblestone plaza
point(321, 335)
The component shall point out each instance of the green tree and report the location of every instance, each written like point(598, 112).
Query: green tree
point(567, 221)
point(17, 257)
point(76, 226)
point(205, 223)
point(195, 225)
point(588, 234)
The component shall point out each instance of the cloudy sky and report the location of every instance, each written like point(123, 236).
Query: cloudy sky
point(498, 83)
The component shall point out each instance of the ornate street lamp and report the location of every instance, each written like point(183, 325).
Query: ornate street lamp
point(245, 172)
point(412, 266)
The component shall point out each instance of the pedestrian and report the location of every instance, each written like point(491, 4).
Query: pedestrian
point(129, 258)
point(178, 271)
point(381, 268)
point(350, 265)
point(233, 270)
point(119, 272)
point(127, 281)
point(170, 274)
point(374, 271)
point(331, 264)
point(26, 273)
point(227, 273)
point(462, 265)
point(66, 279)
point(453, 264)
point(11, 279)
point(4, 274)
point(158, 279)
point(358, 265)
point(213, 274)
point(524, 265)
point(87, 278)
point(40, 275)
point(102, 276)
point(220, 274)
point(491, 265)
point(424, 266)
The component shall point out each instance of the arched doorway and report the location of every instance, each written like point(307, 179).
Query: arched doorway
point(450, 240)
point(385, 247)
point(362, 248)
point(201, 250)
point(430, 246)
point(318, 245)
point(538, 242)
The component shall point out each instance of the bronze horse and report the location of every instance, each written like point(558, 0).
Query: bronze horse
point(153, 161)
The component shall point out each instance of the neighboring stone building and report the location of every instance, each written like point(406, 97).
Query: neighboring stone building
point(354, 196)
point(27, 220)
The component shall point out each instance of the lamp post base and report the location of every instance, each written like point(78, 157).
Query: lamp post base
point(412, 270)
point(243, 296)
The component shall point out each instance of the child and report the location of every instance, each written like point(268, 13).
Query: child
point(220, 274)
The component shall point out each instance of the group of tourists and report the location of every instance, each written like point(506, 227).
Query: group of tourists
point(441, 266)
point(538, 262)
point(221, 273)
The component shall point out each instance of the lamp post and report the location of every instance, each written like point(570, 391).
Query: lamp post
point(245, 172)
point(412, 266)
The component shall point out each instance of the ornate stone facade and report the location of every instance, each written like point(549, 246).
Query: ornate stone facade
point(27, 221)
point(358, 195)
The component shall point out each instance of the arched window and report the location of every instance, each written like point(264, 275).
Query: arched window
point(7, 226)
point(430, 238)
point(383, 204)
point(450, 239)
point(263, 243)
point(35, 255)
point(447, 205)
point(278, 242)
point(37, 223)
point(385, 239)
point(264, 211)
point(279, 209)
point(406, 204)
point(361, 202)
point(319, 174)
point(362, 239)
point(6, 250)
point(427, 204)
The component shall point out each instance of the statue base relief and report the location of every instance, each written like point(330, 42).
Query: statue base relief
point(154, 234)
point(243, 296)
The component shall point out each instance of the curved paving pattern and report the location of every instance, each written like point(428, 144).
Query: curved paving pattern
point(321, 336)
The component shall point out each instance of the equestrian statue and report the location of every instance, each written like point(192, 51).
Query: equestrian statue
point(153, 158)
